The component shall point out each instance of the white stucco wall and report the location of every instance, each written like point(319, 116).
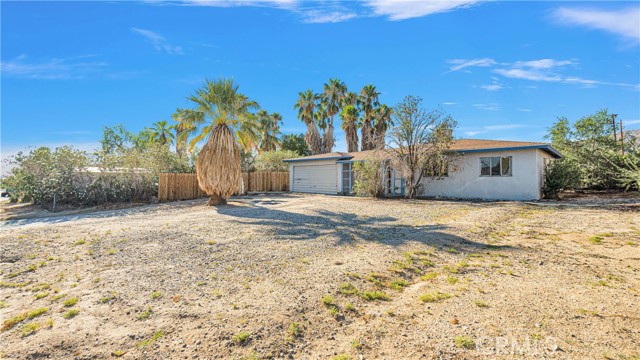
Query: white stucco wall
point(466, 182)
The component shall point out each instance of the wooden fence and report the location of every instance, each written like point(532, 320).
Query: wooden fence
point(173, 186)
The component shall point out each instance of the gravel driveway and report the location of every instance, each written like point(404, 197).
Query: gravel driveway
point(317, 277)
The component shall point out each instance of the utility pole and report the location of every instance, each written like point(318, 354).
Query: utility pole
point(621, 138)
point(613, 121)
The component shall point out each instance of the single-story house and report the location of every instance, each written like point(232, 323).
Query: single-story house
point(485, 169)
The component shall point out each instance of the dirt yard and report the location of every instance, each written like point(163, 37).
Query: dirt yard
point(320, 277)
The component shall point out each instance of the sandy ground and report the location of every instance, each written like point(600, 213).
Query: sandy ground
point(297, 277)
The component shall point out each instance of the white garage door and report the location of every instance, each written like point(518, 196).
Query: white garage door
point(318, 179)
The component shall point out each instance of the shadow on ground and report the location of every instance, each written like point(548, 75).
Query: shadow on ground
point(348, 228)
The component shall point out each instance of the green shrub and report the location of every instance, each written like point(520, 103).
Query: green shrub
point(272, 160)
point(368, 178)
point(559, 175)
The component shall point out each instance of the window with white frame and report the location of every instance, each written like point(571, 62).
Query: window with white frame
point(495, 166)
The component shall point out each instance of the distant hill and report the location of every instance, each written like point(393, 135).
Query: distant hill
point(635, 133)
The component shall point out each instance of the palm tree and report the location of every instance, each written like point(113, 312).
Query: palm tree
point(350, 98)
point(269, 128)
point(331, 98)
point(186, 124)
point(382, 115)
point(306, 106)
point(350, 124)
point(161, 133)
point(368, 101)
point(230, 121)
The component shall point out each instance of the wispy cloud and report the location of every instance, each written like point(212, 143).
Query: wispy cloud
point(540, 70)
point(491, 87)
point(334, 11)
point(489, 107)
point(525, 110)
point(52, 69)
point(624, 22)
point(473, 131)
point(321, 16)
point(158, 41)
point(459, 64)
point(449, 103)
point(407, 9)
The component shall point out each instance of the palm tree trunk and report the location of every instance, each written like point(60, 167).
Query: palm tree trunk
point(216, 200)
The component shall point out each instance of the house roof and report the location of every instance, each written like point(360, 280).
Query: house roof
point(460, 146)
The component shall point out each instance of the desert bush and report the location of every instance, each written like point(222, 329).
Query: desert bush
point(368, 178)
point(76, 178)
point(590, 143)
point(272, 160)
point(559, 175)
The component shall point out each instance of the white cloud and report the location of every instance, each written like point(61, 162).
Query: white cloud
point(630, 122)
point(525, 110)
point(459, 64)
point(320, 16)
point(527, 74)
point(474, 132)
point(52, 69)
point(490, 106)
point(492, 87)
point(543, 63)
point(449, 103)
point(407, 9)
point(624, 22)
point(233, 3)
point(504, 127)
point(158, 41)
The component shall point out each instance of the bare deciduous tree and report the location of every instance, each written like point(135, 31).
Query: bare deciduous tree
point(419, 139)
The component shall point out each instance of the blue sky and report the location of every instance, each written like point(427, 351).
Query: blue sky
point(504, 70)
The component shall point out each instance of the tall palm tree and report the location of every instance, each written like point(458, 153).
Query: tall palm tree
point(186, 124)
point(382, 115)
point(350, 98)
point(332, 99)
point(306, 106)
point(269, 128)
point(228, 120)
point(368, 101)
point(350, 124)
point(162, 133)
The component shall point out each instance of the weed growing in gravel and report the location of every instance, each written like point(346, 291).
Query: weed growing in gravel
point(11, 322)
point(80, 242)
point(328, 300)
point(465, 342)
point(452, 250)
point(211, 242)
point(71, 313)
point(12, 285)
point(57, 297)
point(452, 280)
point(118, 353)
point(587, 312)
point(480, 303)
point(356, 344)
point(348, 289)
point(375, 295)
point(39, 296)
point(29, 329)
point(399, 284)
point(295, 330)
point(596, 240)
point(146, 342)
point(342, 357)
point(434, 297)
point(112, 251)
point(376, 279)
point(70, 302)
point(145, 314)
point(599, 283)
point(241, 338)
point(156, 295)
point(350, 307)
point(3, 304)
point(429, 276)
